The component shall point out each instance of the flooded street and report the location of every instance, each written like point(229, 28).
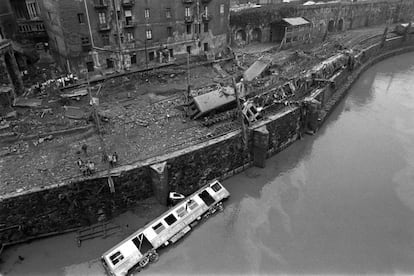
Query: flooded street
point(341, 201)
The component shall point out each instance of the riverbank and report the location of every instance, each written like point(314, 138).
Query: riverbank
point(72, 205)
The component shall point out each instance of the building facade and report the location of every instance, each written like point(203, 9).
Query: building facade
point(10, 79)
point(88, 35)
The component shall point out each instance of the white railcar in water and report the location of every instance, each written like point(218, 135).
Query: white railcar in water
point(139, 249)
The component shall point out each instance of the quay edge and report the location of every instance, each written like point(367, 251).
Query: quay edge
point(76, 203)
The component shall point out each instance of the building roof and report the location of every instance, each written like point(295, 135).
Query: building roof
point(296, 21)
point(256, 69)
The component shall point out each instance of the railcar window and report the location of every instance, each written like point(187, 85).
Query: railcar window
point(182, 211)
point(158, 228)
point(192, 204)
point(170, 219)
point(216, 187)
point(116, 258)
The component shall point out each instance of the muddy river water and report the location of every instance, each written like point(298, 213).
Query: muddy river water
point(339, 202)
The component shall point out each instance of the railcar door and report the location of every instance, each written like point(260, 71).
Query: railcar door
point(206, 197)
point(142, 243)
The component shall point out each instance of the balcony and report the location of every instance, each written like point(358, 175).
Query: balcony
point(129, 24)
point(100, 4)
point(188, 18)
point(205, 1)
point(127, 3)
point(206, 17)
point(105, 27)
point(188, 2)
point(31, 28)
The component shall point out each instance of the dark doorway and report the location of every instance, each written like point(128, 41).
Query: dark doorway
point(109, 63)
point(240, 36)
point(331, 26)
point(89, 65)
point(206, 197)
point(340, 25)
point(133, 59)
point(257, 35)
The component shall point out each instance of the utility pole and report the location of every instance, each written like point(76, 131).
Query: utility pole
point(188, 78)
point(240, 115)
point(120, 52)
point(93, 52)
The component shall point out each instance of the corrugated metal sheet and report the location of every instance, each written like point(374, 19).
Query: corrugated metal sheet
point(296, 21)
point(257, 68)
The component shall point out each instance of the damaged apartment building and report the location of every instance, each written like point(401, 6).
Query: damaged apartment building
point(95, 35)
point(21, 30)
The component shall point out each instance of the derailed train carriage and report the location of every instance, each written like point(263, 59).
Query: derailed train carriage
point(139, 249)
point(224, 98)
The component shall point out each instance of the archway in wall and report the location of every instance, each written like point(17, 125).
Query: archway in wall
point(240, 36)
point(340, 26)
point(257, 35)
point(331, 25)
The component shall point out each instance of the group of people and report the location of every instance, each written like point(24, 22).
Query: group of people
point(87, 168)
point(111, 158)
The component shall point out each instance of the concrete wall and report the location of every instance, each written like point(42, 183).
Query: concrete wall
point(80, 203)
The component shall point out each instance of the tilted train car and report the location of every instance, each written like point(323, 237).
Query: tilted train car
point(400, 29)
point(139, 249)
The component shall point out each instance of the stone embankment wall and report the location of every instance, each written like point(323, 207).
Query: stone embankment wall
point(67, 206)
point(256, 24)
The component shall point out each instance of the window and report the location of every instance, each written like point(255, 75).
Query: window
point(102, 18)
point(205, 10)
point(192, 204)
point(49, 15)
point(181, 212)
point(85, 40)
point(205, 47)
point(222, 9)
point(189, 49)
point(158, 228)
point(151, 55)
point(128, 17)
point(168, 13)
point(129, 37)
point(105, 39)
point(205, 27)
point(188, 27)
point(147, 13)
point(149, 34)
point(116, 258)
point(170, 219)
point(187, 11)
point(216, 187)
point(171, 52)
point(32, 9)
point(81, 18)
point(169, 31)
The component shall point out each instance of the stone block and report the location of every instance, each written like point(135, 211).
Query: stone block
point(160, 187)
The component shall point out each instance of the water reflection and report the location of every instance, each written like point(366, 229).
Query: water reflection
point(339, 202)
